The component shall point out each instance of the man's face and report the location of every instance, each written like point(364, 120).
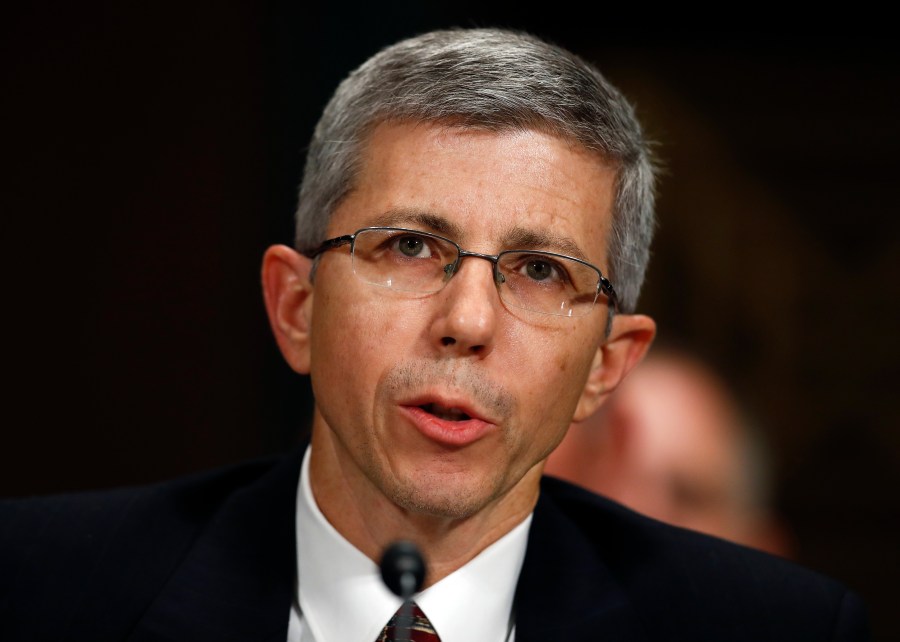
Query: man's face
point(442, 403)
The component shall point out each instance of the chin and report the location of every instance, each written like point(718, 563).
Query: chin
point(438, 496)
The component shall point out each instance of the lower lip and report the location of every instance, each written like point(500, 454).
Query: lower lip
point(449, 433)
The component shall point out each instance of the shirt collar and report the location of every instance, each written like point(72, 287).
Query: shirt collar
point(342, 596)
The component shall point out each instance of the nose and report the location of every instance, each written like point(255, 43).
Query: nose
point(467, 314)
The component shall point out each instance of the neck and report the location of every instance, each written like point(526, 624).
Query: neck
point(360, 510)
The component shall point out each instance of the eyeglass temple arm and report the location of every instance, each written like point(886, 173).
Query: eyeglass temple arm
point(330, 244)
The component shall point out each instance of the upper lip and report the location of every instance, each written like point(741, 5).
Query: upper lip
point(457, 403)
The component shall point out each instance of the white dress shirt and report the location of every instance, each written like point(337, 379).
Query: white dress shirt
point(342, 598)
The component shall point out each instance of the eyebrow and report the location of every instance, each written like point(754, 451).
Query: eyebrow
point(517, 238)
point(521, 238)
point(406, 217)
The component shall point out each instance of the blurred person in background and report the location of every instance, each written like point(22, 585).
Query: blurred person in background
point(673, 443)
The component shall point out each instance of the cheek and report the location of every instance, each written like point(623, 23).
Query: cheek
point(564, 357)
point(553, 368)
point(356, 338)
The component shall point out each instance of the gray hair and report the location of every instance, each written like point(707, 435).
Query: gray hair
point(496, 80)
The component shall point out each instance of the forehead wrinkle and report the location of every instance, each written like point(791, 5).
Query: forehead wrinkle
point(520, 238)
point(419, 219)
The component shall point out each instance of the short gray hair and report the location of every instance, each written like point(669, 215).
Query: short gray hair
point(491, 79)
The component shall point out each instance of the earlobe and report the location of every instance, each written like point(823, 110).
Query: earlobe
point(627, 343)
point(288, 296)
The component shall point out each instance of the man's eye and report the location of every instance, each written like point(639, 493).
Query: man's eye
point(540, 270)
point(411, 246)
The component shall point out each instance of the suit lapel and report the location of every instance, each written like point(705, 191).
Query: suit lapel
point(565, 590)
point(237, 580)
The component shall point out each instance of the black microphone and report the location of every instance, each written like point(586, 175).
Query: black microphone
point(403, 568)
point(403, 572)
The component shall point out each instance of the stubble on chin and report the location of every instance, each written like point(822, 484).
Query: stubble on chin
point(435, 495)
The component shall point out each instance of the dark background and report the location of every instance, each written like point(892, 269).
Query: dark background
point(153, 154)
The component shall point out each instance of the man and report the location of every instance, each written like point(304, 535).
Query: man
point(469, 200)
point(672, 443)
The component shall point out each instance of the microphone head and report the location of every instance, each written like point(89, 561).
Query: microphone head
point(403, 568)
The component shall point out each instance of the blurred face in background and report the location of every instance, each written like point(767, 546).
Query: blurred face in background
point(670, 443)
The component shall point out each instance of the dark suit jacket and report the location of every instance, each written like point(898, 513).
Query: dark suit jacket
point(212, 557)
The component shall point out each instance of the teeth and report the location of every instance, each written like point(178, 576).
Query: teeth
point(449, 414)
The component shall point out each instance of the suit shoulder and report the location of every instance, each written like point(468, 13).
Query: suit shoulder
point(614, 527)
point(61, 544)
point(687, 579)
point(187, 501)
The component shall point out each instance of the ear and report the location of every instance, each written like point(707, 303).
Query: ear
point(626, 345)
point(288, 295)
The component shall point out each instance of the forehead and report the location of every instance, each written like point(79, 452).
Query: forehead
point(487, 189)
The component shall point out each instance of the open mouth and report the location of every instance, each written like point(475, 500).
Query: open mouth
point(443, 412)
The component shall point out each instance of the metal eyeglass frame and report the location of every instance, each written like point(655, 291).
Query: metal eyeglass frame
point(603, 284)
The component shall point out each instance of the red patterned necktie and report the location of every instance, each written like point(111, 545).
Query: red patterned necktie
point(408, 624)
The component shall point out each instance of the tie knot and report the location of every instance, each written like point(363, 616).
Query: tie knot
point(409, 624)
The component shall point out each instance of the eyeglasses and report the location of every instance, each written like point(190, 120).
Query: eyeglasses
point(423, 263)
